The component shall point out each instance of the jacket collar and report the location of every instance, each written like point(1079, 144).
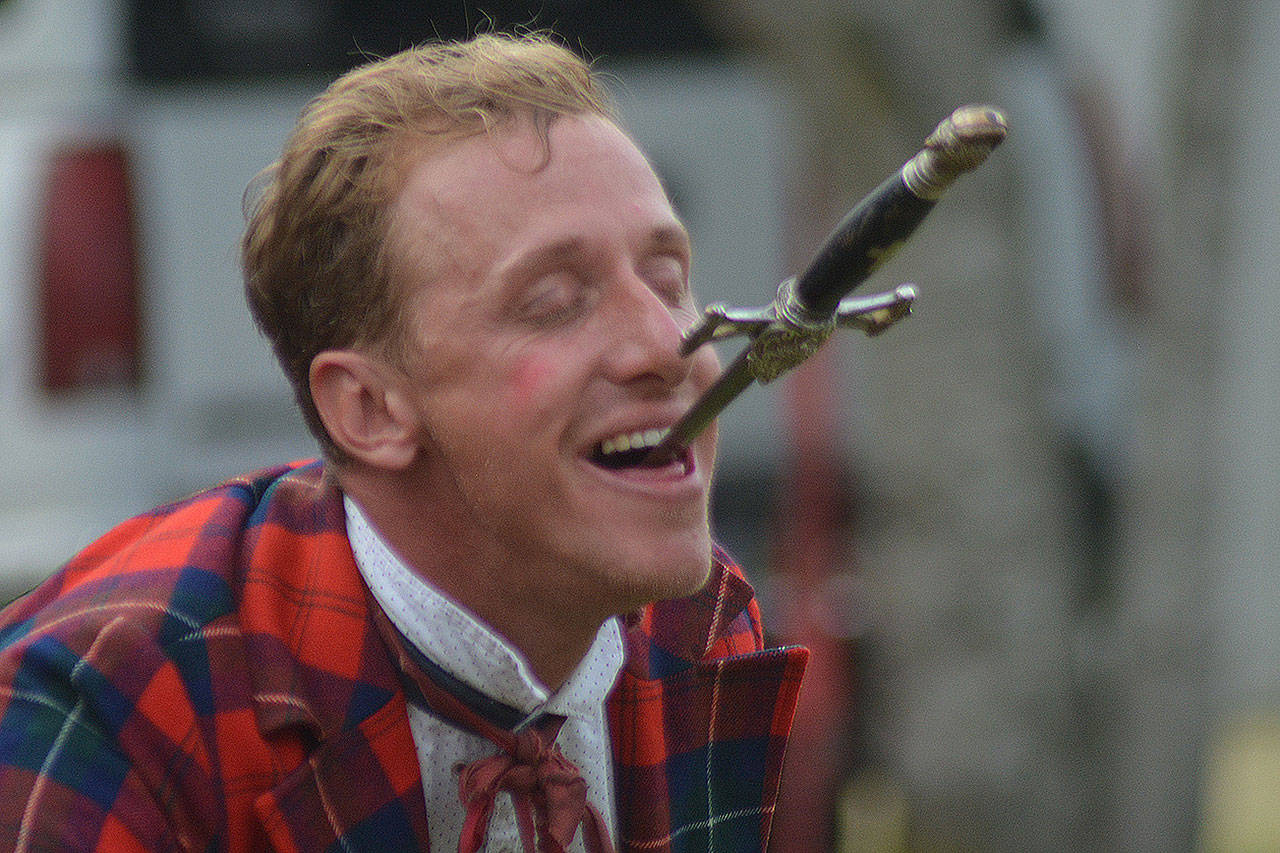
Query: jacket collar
point(669, 637)
point(319, 662)
point(327, 695)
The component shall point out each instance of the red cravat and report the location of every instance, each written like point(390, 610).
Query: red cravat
point(549, 794)
point(547, 789)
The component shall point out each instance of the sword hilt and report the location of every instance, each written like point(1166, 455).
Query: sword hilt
point(877, 226)
point(809, 307)
point(775, 348)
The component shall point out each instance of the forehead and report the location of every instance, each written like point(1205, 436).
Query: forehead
point(513, 186)
point(525, 153)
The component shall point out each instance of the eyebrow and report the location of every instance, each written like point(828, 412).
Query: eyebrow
point(673, 237)
point(540, 259)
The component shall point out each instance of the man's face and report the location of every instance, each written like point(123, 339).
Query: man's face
point(545, 294)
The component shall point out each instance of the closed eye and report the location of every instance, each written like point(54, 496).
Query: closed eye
point(668, 278)
point(553, 298)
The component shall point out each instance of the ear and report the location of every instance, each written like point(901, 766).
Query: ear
point(364, 408)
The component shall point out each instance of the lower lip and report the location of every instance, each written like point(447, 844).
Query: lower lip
point(675, 479)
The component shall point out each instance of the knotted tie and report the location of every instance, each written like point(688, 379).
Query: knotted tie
point(547, 789)
point(549, 793)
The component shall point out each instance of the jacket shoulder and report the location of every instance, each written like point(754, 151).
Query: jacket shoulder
point(182, 555)
point(124, 679)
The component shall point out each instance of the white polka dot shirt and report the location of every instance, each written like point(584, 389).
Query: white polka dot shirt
point(460, 643)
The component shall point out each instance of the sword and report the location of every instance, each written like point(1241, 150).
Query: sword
point(808, 308)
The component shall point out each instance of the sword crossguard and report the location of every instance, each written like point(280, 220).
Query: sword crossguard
point(783, 335)
point(780, 347)
point(873, 314)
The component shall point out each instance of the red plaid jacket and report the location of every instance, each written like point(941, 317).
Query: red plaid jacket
point(207, 677)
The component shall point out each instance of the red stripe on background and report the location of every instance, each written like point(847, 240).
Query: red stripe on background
point(90, 332)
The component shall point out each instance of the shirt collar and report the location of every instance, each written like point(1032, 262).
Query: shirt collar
point(468, 649)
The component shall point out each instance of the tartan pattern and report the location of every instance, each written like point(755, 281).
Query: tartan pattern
point(207, 676)
point(699, 720)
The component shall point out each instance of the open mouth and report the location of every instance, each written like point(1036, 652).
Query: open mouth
point(632, 450)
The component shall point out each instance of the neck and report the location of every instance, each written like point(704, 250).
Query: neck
point(552, 635)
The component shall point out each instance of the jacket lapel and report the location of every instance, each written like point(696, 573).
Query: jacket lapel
point(327, 696)
point(359, 790)
point(699, 721)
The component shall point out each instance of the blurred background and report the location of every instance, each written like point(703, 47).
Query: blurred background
point(1030, 533)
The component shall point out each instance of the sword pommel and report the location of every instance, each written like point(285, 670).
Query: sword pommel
point(960, 143)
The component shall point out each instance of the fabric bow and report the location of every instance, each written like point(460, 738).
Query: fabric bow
point(548, 792)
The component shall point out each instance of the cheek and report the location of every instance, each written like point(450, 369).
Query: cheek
point(530, 379)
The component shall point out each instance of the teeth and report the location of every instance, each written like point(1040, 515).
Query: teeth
point(638, 440)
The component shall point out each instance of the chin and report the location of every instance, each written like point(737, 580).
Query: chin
point(679, 572)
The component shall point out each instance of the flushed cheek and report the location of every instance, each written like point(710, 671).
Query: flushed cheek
point(530, 379)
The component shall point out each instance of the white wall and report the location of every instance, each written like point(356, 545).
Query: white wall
point(67, 465)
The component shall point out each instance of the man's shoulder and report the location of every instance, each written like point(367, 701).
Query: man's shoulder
point(135, 670)
point(180, 561)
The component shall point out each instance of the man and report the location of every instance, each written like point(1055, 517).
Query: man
point(476, 285)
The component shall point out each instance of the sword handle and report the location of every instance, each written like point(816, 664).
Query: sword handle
point(874, 229)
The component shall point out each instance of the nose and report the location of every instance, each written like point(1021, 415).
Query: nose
point(643, 347)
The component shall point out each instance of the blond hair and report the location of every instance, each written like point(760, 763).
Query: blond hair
point(314, 252)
